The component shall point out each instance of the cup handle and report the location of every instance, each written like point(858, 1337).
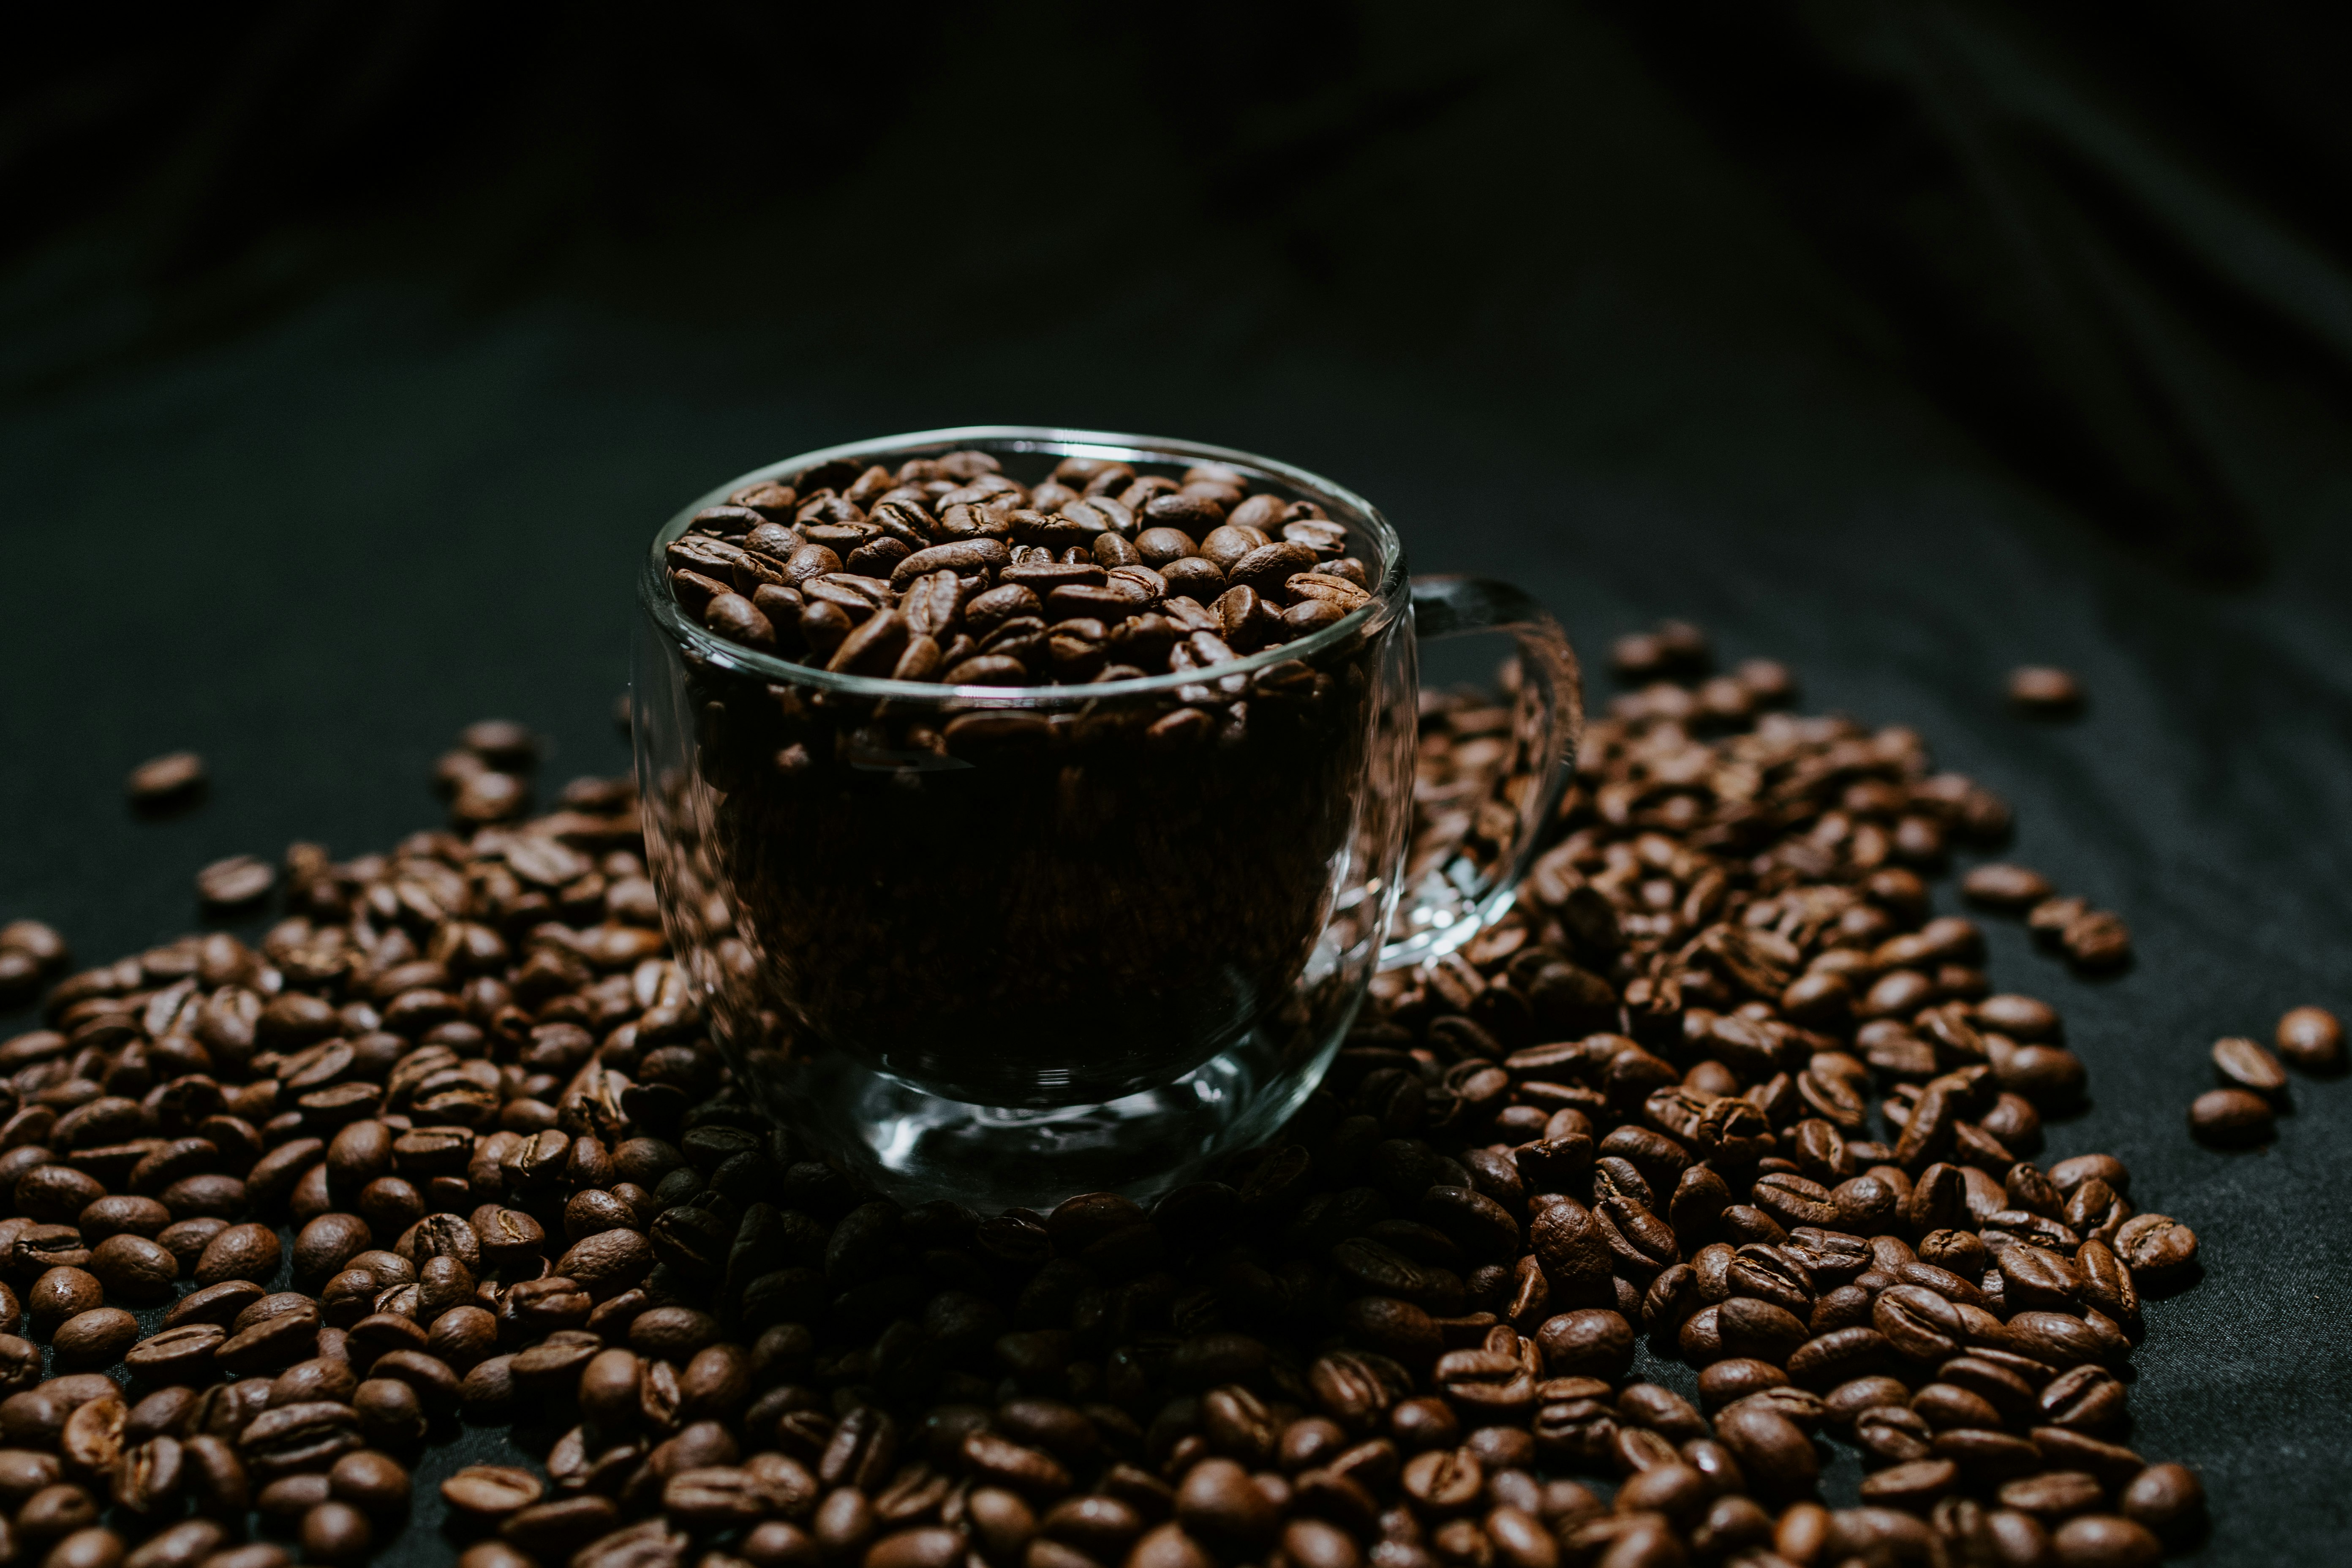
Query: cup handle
point(1450, 895)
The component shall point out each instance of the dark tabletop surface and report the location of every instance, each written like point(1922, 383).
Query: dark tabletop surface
point(312, 505)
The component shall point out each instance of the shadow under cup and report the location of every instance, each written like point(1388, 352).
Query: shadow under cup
point(1001, 945)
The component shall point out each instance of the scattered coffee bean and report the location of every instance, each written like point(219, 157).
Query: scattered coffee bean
point(2041, 689)
point(2242, 1064)
point(2231, 1118)
point(2313, 1039)
point(162, 783)
point(2096, 939)
point(511, 1166)
point(2002, 887)
point(232, 883)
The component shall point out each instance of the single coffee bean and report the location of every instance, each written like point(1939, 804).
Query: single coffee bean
point(134, 1269)
point(95, 1338)
point(61, 1293)
point(491, 1492)
point(2002, 887)
point(2231, 1118)
point(161, 783)
point(1773, 1450)
point(374, 1483)
point(239, 1252)
point(2244, 1065)
point(2105, 1540)
point(2169, 1502)
point(2045, 690)
point(335, 1531)
point(232, 883)
point(2312, 1039)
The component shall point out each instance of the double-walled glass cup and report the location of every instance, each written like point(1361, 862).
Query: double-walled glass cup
point(1005, 943)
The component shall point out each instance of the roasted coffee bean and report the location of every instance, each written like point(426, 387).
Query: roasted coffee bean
point(59, 1294)
point(2044, 689)
point(491, 1492)
point(2011, 888)
point(2312, 1039)
point(289, 1498)
point(1773, 1451)
point(335, 1531)
point(468, 1085)
point(2231, 1118)
point(134, 1269)
point(232, 883)
point(298, 1437)
point(2105, 1540)
point(1588, 1343)
point(95, 1338)
point(2169, 1502)
point(239, 1252)
point(2242, 1064)
point(161, 783)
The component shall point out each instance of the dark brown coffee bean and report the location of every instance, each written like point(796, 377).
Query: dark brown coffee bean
point(2031, 1277)
point(1919, 1324)
point(268, 1342)
point(2011, 888)
point(223, 1303)
point(239, 1252)
point(1444, 1480)
point(1426, 1422)
point(491, 1492)
point(289, 1498)
point(607, 1262)
point(2045, 690)
point(213, 1476)
point(309, 1380)
point(95, 1547)
point(185, 1545)
point(96, 1338)
point(2231, 1118)
point(61, 1293)
point(56, 1194)
point(2169, 1502)
point(239, 880)
point(2312, 1039)
point(133, 1269)
point(2105, 1540)
point(124, 1214)
point(1775, 1454)
point(2242, 1064)
point(298, 1437)
point(181, 1354)
point(1587, 1342)
point(336, 1533)
point(160, 782)
point(326, 1243)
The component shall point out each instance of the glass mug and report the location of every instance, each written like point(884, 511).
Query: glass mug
point(1007, 943)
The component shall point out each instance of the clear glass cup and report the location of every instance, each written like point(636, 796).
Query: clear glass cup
point(1003, 944)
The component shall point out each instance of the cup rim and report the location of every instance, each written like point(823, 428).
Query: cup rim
point(1388, 601)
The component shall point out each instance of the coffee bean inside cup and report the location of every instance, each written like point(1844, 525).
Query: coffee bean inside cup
point(947, 569)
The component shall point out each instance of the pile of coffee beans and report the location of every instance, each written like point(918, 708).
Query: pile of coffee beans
point(946, 570)
point(451, 1144)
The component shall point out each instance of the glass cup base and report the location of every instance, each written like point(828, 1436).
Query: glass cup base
point(915, 1146)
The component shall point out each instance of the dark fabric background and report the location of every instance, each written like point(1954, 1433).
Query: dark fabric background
point(348, 358)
